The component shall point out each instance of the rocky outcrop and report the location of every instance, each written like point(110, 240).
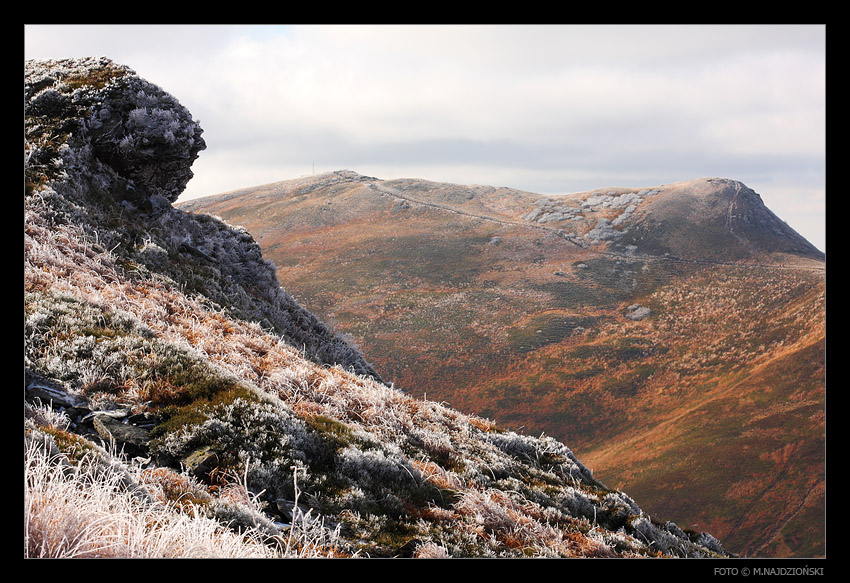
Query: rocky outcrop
point(100, 121)
point(115, 427)
point(107, 142)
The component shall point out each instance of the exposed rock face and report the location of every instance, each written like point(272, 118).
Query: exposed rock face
point(112, 120)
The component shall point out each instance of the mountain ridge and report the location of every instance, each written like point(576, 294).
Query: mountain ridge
point(743, 209)
point(593, 317)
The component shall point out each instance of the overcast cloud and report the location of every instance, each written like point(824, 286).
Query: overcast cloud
point(549, 109)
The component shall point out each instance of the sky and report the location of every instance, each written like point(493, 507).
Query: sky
point(551, 109)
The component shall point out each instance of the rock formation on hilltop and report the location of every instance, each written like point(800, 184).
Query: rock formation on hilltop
point(710, 219)
point(179, 403)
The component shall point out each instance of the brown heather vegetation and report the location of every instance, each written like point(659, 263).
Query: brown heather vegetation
point(453, 299)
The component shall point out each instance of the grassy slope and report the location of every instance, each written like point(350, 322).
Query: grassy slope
point(471, 312)
point(750, 441)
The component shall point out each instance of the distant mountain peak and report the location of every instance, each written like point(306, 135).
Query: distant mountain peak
point(716, 218)
point(707, 218)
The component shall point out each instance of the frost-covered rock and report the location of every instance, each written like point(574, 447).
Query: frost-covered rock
point(624, 203)
point(103, 143)
point(548, 211)
point(107, 131)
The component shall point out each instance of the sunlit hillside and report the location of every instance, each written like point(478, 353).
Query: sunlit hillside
point(673, 334)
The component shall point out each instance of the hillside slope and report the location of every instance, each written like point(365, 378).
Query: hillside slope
point(673, 334)
point(180, 403)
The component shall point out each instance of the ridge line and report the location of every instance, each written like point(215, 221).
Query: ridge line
point(392, 192)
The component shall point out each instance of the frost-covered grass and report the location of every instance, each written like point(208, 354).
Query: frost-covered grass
point(98, 506)
point(86, 512)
